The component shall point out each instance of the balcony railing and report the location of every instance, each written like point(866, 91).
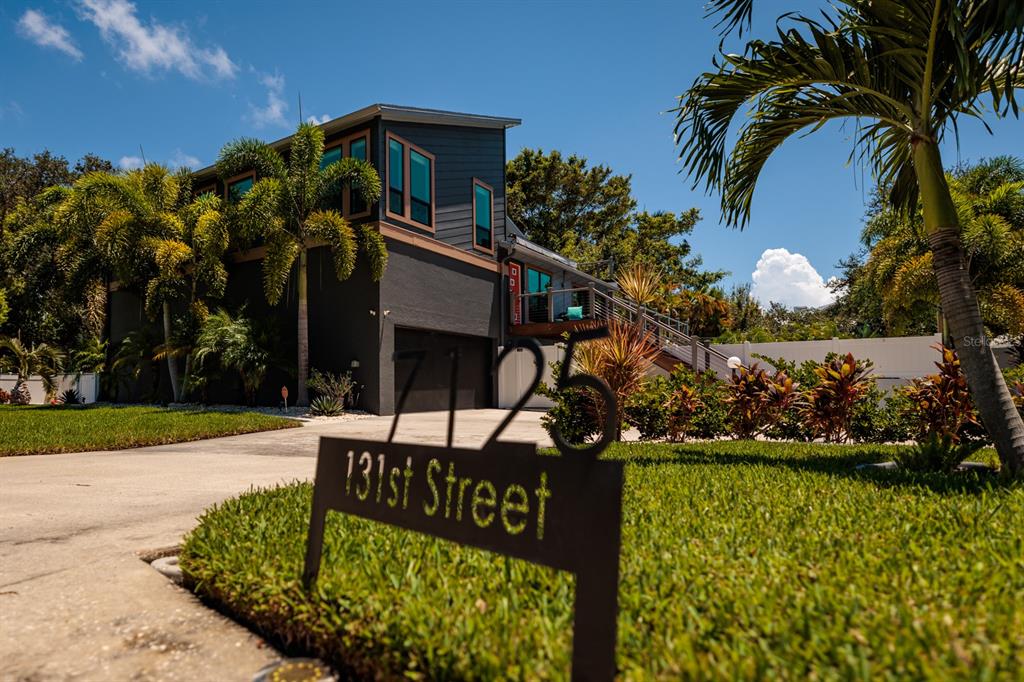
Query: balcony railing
point(670, 334)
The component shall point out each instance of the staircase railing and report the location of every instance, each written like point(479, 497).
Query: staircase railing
point(670, 334)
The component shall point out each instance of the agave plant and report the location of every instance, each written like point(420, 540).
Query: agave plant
point(39, 360)
point(640, 282)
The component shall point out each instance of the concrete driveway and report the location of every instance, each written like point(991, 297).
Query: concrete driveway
point(76, 602)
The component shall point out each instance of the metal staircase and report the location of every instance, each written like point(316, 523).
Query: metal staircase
point(670, 334)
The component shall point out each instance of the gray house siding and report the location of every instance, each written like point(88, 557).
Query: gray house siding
point(461, 154)
point(426, 290)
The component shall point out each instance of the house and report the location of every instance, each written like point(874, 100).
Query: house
point(453, 255)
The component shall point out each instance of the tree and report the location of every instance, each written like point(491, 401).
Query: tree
point(896, 274)
point(189, 269)
point(129, 226)
point(24, 178)
point(238, 346)
point(589, 214)
point(290, 207)
point(43, 361)
point(905, 71)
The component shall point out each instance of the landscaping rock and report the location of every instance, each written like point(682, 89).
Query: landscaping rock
point(169, 567)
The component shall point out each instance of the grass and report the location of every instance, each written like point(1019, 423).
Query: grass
point(740, 560)
point(37, 429)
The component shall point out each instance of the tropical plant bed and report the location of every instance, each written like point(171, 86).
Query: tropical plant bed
point(38, 430)
point(739, 560)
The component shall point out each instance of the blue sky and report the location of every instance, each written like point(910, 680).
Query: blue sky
point(180, 79)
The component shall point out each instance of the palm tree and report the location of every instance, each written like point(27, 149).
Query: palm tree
point(905, 71)
point(989, 198)
point(237, 346)
point(189, 268)
point(131, 223)
point(41, 360)
point(289, 207)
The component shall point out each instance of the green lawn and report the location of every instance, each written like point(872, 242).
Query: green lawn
point(35, 430)
point(739, 560)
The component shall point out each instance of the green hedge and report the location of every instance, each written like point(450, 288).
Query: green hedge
point(37, 429)
point(739, 560)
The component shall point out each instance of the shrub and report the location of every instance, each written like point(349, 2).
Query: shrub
point(5, 397)
point(712, 417)
point(948, 429)
point(326, 406)
point(682, 403)
point(238, 345)
point(757, 399)
point(621, 359)
point(71, 396)
point(828, 407)
point(646, 409)
point(575, 411)
point(878, 418)
point(337, 386)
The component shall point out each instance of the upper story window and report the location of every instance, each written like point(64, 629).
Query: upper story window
point(410, 172)
point(354, 146)
point(237, 187)
point(483, 216)
point(205, 189)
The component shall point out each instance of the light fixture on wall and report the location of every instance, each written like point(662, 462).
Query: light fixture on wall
point(354, 364)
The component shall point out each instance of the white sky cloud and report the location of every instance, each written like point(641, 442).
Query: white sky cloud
point(182, 160)
point(789, 279)
point(276, 108)
point(35, 26)
point(154, 46)
point(318, 120)
point(130, 162)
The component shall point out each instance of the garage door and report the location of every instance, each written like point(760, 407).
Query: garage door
point(430, 389)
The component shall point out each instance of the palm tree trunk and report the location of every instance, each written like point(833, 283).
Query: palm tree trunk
point(960, 308)
point(172, 362)
point(303, 396)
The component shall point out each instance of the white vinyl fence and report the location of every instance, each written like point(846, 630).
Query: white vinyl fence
point(88, 386)
point(896, 360)
point(517, 371)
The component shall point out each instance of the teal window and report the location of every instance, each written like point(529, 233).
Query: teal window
point(239, 188)
point(420, 191)
point(357, 150)
point(537, 282)
point(330, 156)
point(483, 211)
point(396, 183)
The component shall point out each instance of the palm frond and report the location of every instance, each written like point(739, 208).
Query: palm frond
point(331, 227)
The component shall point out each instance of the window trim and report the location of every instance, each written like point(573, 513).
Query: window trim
point(235, 178)
point(345, 144)
point(406, 215)
point(490, 190)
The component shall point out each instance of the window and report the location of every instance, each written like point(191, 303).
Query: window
point(332, 155)
point(410, 173)
point(483, 216)
point(237, 187)
point(206, 189)
point(355, 146)
point(357, 150)
point(537, 282)
point(396, 185)
point(419, 181)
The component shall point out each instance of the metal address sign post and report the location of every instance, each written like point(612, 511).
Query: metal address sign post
point(559, 511)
